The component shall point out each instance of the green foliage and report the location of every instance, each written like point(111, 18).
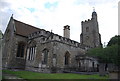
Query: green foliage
point(114, 49)
point(110, 54)
point(97, 53)
point(114, 40)
point(106, 55)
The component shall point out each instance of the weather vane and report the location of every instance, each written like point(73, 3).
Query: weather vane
point(93, 9)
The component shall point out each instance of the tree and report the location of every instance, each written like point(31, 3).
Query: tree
point(114, 40)
point(114, 49)
point(99, 54)
point(110, 54)
point(106, 55)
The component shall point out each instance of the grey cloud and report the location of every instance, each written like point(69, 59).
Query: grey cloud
point(5, 14)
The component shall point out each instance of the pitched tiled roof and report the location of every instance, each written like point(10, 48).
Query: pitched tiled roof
point(24, 29)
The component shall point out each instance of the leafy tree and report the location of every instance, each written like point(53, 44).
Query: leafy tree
point(110, 54)
point(97, 53)
point(106, 55)
point(114, 40)
point(114, 49)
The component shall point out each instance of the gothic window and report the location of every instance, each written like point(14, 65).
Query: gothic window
point(67, 58)
point(20, 50)
point(93, 64)
point(31, 52)
point(45, 56)
point(79, 64)
point(87, 29)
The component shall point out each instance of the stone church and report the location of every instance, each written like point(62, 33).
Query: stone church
point(31, 48)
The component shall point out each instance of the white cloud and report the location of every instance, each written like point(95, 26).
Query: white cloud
point(70, 12)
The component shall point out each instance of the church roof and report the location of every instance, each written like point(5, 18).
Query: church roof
point(24, 29)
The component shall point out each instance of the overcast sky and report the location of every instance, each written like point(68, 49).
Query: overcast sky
point(54, 14)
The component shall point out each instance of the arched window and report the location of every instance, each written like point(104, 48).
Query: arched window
point(67, 58)
point(31, 51)
point(45, 56)
point(79, 64)
point(20, 50)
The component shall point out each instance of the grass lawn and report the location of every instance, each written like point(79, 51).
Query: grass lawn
point(0, 74)
point(35, 75)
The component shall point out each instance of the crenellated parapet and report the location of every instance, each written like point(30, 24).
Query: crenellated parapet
point(50, 36)
point(40, 33)
point(86, 21)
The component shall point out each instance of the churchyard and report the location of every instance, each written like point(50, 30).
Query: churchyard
point(28, 75)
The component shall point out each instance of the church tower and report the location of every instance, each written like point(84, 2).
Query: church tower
point(90, 35)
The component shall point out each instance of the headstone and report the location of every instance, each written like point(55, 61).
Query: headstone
point(113, 75)
point(102, 71)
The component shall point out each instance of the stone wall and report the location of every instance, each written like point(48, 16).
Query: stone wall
point(10, 45)
point(56, 48)
point(7, 44)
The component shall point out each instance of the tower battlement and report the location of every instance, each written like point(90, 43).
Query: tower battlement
point(87, 20)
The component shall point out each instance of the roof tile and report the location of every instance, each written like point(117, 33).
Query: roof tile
point(24, 29)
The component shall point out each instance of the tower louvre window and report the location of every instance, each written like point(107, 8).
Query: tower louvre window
point(87, 29)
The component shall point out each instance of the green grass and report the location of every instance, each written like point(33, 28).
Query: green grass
point(0, 75)
point(35, 75)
